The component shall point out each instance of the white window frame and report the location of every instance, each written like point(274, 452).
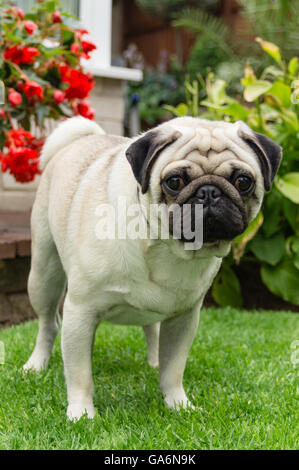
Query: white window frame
point(96, 17)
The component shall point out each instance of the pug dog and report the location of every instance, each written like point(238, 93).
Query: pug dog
point(153, 282)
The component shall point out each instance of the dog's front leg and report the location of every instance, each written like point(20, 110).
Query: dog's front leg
point(176, 337)
point(78, 330)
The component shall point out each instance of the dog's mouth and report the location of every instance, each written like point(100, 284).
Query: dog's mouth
point(223, 221)
point(215, 212)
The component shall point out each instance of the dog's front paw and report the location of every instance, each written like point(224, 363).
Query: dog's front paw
point(177, 398)
point(75, 411)
point(35, 364)
point(154, 363)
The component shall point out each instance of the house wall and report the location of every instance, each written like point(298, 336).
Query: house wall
point(107, 98)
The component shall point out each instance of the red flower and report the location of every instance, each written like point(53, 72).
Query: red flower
point(20, 13)
point(81, 32)
point(57, 17)
point(22, 157)
point(58, 96)
point(2, 114)
point(32, 89)
point(14, 98)
point(29, 54)
point(20, 85)
point(80, 84)
point(87, 47)
point(19, 138)
point(85, 110)
point(75, 48)
point(22, 163)
point(30, 26)
point(21, 55)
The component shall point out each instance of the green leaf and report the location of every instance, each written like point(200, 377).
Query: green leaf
point(48, 52)
point(282, 280)
point(256, 89)
point(290, 118)
point(216, 92)
point(10, 35)
point(249, 76)
point(272, 208)
point(51, 6)
point(241, 241)
point(180, 110)
point(293, 66)
point(290, 154)
point(226, 288)
point(31, 16)
point(234, 109)
point(270, 48)
point(293, 249)
point(282, 92)
point(288, 185)
point(13, 70)
point(291, 212)
point(41, 114)
point(273, 71)
point(269, 250)
point(25, 121)
point(32, 76)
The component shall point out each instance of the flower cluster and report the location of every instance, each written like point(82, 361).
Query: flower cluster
point(43, 79)
point(21, 160)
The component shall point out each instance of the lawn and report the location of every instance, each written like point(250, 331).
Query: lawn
point(239, 373)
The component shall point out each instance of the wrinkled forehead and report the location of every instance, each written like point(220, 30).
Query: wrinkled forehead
point(212, 137)
point(208, 146)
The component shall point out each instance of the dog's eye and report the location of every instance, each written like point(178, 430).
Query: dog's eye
point(174, 183)
point(244, 183)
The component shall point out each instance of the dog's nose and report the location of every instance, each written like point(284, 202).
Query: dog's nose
point(208, 194)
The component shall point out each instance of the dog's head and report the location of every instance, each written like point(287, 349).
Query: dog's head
point(222, 166)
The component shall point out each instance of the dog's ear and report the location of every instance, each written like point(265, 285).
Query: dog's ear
point(143, 153)
point(268, 152)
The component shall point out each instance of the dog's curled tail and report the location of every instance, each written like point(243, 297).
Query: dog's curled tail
point(70, 130)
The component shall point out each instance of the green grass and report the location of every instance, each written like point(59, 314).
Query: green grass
point(239, 373)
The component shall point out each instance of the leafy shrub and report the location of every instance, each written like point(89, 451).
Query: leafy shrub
point(269, 106)
point(157, 89)
point(275, 21)
point(205, 55)
point(40, 67)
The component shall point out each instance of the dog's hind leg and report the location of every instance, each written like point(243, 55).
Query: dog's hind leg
point(46, 286)
point(152, 339)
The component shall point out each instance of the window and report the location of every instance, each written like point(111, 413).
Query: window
point(97, 17)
